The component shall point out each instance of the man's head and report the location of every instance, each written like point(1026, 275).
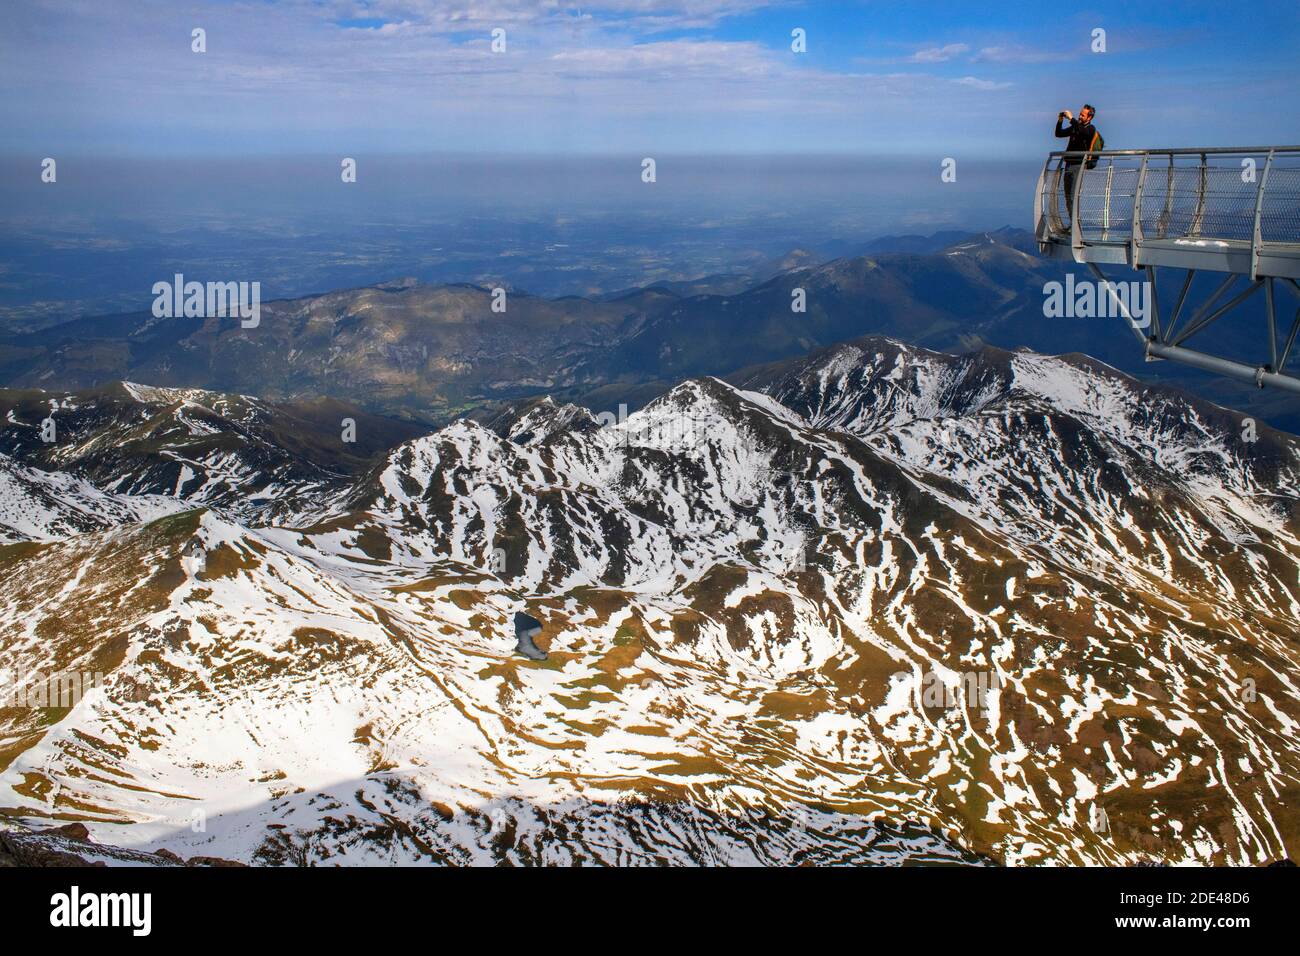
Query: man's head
point(1086, 113)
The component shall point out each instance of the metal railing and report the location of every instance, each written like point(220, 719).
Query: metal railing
point(1233, 210)
point(1245, 196)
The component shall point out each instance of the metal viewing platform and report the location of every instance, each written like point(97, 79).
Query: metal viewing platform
point(1234, 211)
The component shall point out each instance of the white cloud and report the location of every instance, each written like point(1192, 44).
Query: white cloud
point(1017, 54)
point(288, 78)
point(938, 54)
point(458, 15)
point(670, 59)
point(975, 83)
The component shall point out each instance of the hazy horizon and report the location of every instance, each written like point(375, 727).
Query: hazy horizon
point(548, 225)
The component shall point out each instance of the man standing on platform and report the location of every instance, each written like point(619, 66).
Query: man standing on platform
point(1083, 138)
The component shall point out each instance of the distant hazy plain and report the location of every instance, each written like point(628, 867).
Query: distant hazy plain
point(96, 240)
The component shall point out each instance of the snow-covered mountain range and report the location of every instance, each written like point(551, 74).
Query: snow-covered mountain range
point(876, 604)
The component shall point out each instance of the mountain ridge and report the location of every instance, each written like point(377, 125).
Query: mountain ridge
point(434, 353)
point(879, 605)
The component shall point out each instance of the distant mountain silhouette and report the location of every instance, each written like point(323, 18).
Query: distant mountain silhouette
point(433, 353)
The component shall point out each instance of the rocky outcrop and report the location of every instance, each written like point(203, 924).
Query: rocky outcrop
point(71, 845)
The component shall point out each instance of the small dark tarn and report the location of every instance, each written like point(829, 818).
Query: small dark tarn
point(526, 628)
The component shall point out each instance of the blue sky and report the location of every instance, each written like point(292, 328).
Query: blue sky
point(641, 77)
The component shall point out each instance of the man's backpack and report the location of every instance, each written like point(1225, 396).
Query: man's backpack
point(1096, 146)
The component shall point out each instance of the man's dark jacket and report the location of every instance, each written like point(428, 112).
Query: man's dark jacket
point(1081, 138)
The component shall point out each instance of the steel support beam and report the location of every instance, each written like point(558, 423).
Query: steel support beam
point(1290, 341)
point(1119, 303)
point(1218, 294)
point(1178, 306)
point(1212, 363)
point(1155, 303)
point(1272, 323)
point(1222, 310)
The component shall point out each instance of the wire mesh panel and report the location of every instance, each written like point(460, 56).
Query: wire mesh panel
point(1230, 193)
point(1092, 205)
point(1171, 197)
point(1121, 191)
point(1279, 219)
point(1106, 197)
point(1053, 200)
point(1106, 200)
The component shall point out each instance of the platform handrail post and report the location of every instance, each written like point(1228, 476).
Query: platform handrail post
point(1135, 231)
point(1058, 191)
point(1041, 228)
point(1105, 209)
point(1076, 230)
point(1162, 224)
point(1257, 238)
point(1198, 217)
